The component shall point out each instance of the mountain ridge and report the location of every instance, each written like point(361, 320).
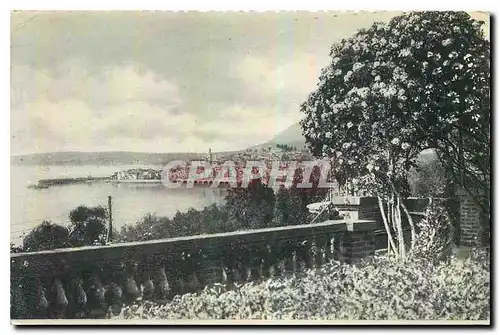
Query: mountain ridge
point(291, 136)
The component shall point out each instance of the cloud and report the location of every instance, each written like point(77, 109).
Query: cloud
point(117, 110)
point(165, 81)
point(294, 75)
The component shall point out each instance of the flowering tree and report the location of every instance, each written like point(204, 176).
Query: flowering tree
point(393, 90)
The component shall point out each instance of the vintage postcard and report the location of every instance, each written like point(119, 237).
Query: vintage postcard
point(226, 167)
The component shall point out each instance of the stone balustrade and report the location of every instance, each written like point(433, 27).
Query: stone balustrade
point(89, 282)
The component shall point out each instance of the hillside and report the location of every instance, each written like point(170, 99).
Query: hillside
point(102, 158)
point(291, 136)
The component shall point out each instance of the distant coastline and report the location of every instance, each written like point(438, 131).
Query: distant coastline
point(102, 158)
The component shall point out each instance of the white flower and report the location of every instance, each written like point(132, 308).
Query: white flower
point(404, 52)
point(363, 92)
point(401, 91)
point(377, 78)
point(437, 71)
point(467, 56)
point(328, 134)
point(447, 42)
point(369, 167)
point(357, 66)
point(335, 60)
point(456, 29)
point(383, 41)
point(337, 72)
point(346, 145)
point(453, 55)
point(405, 146)
point(419, 44)
point(429, 54)
point(376, 64)
point(446, 63)
point(348, 76)
point(395, 141)
point(349, 124)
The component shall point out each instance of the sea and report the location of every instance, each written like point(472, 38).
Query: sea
point(130, 202)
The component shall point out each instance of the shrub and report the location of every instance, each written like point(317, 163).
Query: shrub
point(380, 288)
point(428, 179)
point(88, 226)
point(45, 237)
point(435, 240)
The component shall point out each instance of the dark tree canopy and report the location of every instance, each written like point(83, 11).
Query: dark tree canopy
point(392, 90)
point(88, 225)
point(45, 237)
point(420, 81)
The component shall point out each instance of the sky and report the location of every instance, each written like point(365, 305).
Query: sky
point(165, 81)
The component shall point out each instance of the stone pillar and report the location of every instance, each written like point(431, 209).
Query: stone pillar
point(358, 242)
point(471, 218)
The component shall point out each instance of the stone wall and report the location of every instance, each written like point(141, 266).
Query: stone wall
point(472, 221)
point(90, 282)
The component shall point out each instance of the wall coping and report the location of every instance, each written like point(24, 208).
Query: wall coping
point(148, 247)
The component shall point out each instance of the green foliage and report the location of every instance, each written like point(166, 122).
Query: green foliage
point(401, 87)
point(286, 148)
point(212, 219)
point(45, 237)
point(428, 179)
point(378, 289)
point(88, 226)
point(435, 240)
point(290, 207)
point(251, 207)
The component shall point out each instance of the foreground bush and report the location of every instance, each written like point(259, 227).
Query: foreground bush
point(381, 288)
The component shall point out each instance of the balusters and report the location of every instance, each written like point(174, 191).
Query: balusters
point(328, 252)
point(41, 309)
point(235, 259)
point(319, 246)
point(212, 268)
point(131, 290)
point(148, 289)
point(115, 280)
point(144, 278)
point(305, 257)
point(338, 244)
point(96, 300)
point(18, 307)
point(289, 257)
point(193, 261)
point(77, 299)
point(163, 292)
point(60, 301)
point(175, 268)
point(269, 260)
point(229, 264)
